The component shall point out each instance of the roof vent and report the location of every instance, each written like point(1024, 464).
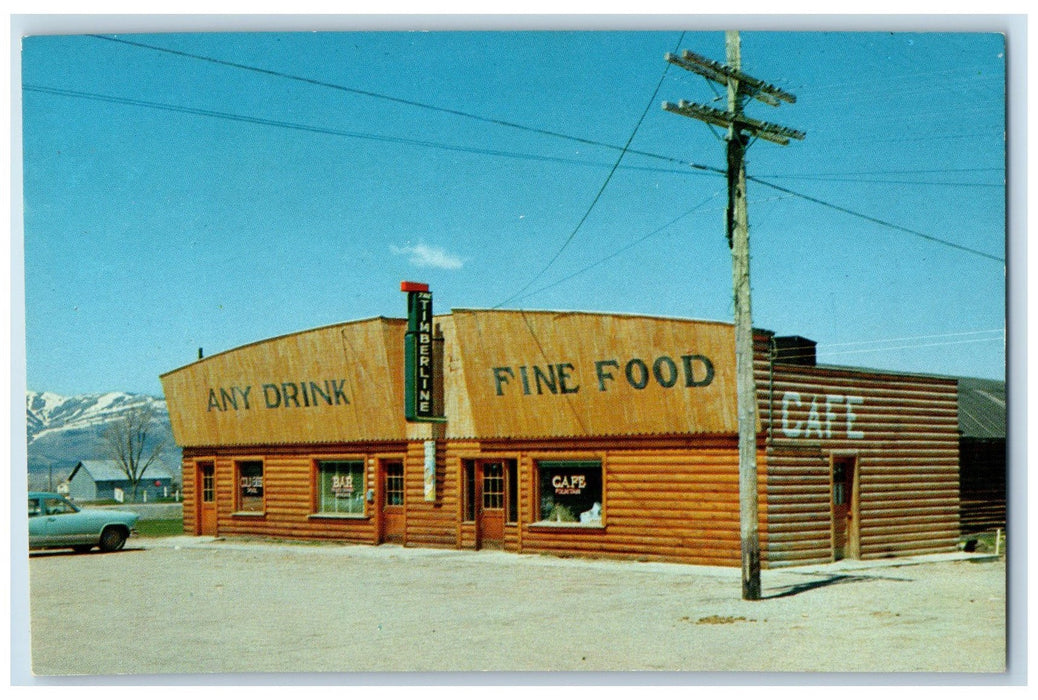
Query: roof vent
point(795, 350)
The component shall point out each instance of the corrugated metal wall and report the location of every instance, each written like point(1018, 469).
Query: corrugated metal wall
point(983, 485)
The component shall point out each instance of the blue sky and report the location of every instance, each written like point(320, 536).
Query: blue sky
point(173, 200)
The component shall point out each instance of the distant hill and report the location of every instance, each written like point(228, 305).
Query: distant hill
point(63, 430)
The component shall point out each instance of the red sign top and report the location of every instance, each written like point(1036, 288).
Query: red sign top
point(414, 287)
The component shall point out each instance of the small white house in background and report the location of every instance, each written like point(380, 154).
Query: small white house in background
point(97, 480)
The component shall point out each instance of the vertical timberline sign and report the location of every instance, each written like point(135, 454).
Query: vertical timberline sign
point(419, 368)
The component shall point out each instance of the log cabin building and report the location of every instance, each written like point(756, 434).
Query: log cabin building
point(564, 433)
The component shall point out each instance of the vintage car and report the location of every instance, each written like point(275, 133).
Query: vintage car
point(57, 523)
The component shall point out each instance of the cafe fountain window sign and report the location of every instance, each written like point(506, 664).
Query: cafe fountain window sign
point(570, 493)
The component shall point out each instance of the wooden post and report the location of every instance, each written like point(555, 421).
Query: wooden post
point(739, 237)
point(740, 128)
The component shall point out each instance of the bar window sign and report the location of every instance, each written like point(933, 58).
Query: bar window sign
point(419, 367)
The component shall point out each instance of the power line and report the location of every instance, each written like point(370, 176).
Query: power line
point(881, 222)
point(860, 346)
point(230, 116)
point(911, 171)
point(381, 96)
point(622, 250)
point(601, 189)
point(875, 181)
point(482, 151)
point(910, 347)
point(916, 337)
point(424, 105)
point(857, 347)
point(164, 106)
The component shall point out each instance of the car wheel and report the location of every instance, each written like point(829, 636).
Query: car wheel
point(112, 539)
point(82, 548)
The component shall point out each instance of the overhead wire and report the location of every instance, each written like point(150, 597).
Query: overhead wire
point(624, 150)
point(912, 346)
point(230, 116)
point(391, 98)
point(482, 151)
point(302, 127)
point(873, 181)
point(623, 249)
point(379, 96)
point(916, 337)
point(878, 221)
point(609, 177)
point(862, 346)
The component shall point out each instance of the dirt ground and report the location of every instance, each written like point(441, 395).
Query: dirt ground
point(193, 605)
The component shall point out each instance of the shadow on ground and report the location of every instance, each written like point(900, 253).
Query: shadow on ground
point(833, 580)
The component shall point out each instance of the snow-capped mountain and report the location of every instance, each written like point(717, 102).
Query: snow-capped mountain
point(63, 430)
point(46, 412)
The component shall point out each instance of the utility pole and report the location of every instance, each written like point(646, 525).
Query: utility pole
point(740, 130)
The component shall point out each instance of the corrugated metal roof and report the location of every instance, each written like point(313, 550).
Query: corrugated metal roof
point(982, 408)
point(109, 470)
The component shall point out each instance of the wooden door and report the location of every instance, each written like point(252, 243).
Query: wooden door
point(490, 516)
point(844, 509)
point(206, 493)
point(392, 517)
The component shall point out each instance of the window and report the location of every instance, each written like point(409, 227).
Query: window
point(570, 492)
point(250, 487)
point(470, 490)
point(500, 488)
point(208, 483)
point(340, 487)
point(493, 486)
point(395, 484)
point(839, 483)
point(58, 506)
point(512, 514)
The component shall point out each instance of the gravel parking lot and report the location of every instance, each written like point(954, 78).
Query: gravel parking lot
point(194, 605)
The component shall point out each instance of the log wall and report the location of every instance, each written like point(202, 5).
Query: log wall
point(289, 486)
point(664, 499)
point(903, 433)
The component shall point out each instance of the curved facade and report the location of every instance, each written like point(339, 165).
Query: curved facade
point(561, 432)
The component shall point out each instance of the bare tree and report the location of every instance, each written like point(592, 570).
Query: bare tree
point(126, 440)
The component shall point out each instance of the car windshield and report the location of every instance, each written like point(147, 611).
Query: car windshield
point(55, 505)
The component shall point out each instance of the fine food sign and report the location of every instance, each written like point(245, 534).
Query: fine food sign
point(547, 373)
